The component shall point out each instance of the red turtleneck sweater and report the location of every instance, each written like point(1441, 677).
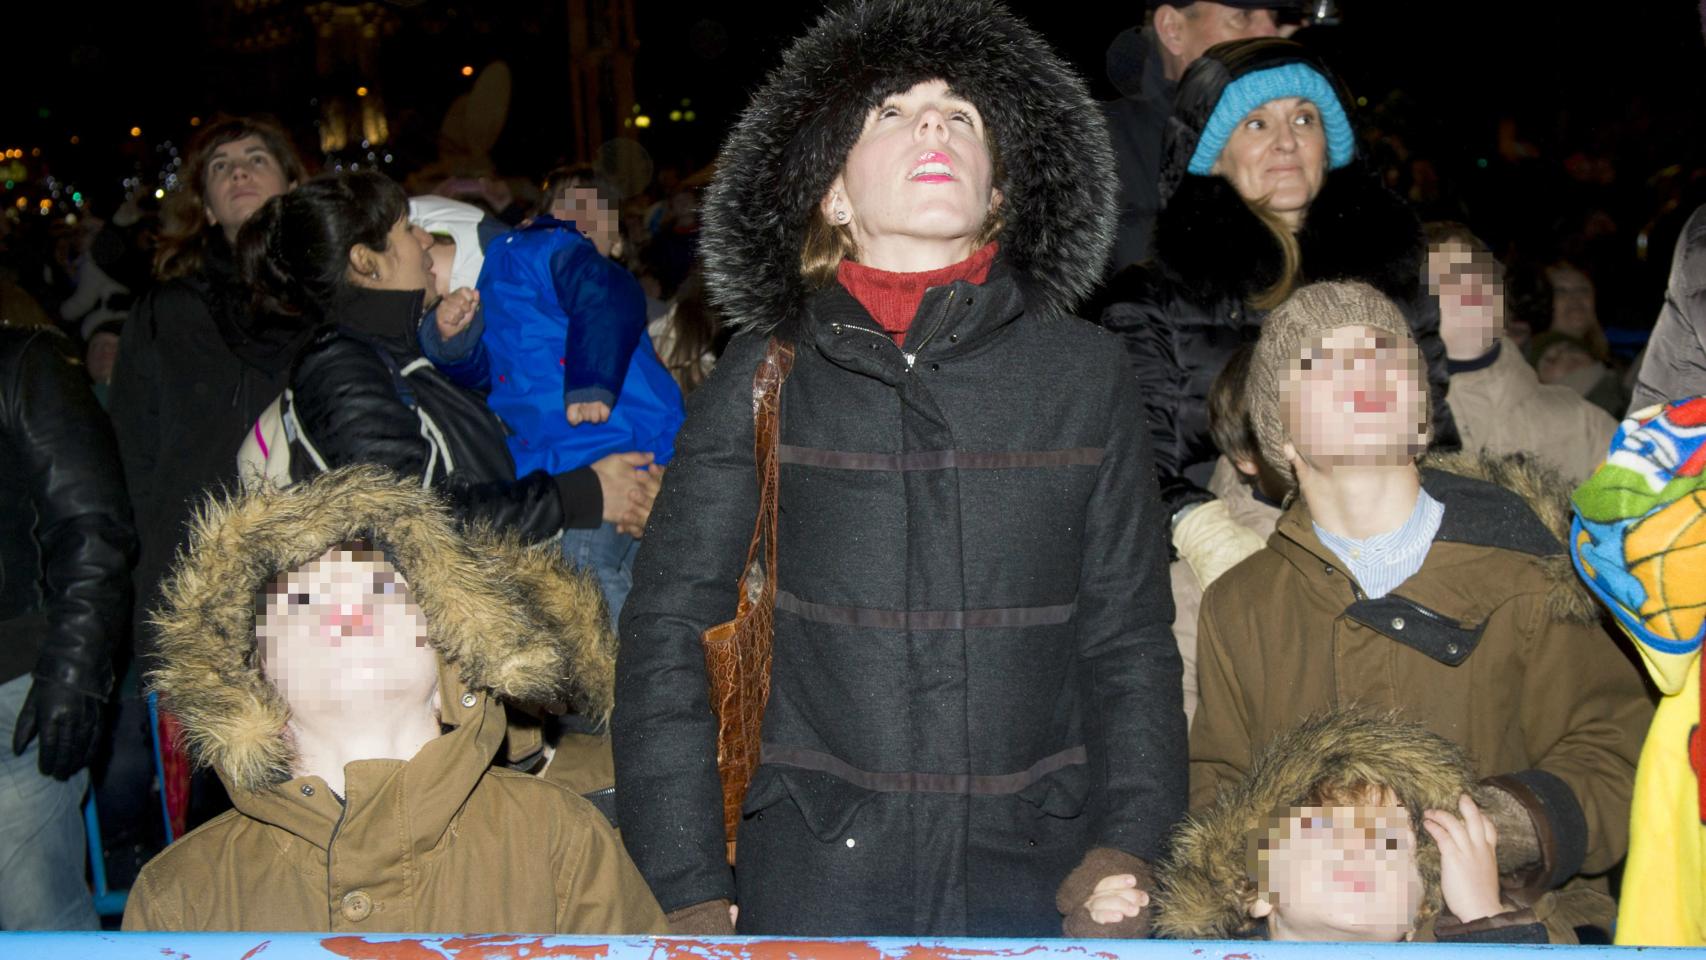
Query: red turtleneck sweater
point(893, 298)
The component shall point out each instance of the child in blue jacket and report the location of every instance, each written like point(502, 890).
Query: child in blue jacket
point(563, 351)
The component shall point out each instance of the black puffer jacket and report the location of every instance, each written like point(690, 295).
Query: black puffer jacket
point(1187, 312)
point(974, 679)
point(196, 366)
point(353, 403)
point(66, 541)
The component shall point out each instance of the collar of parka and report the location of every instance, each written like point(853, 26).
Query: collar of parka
point(507, 621)
point(1509, 504)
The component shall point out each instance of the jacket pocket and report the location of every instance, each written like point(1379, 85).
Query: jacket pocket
point(826, 803)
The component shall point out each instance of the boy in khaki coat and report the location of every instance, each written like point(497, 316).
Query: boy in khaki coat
point(315, 644)
point(1445, 592)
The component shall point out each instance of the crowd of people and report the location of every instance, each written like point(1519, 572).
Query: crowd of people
point(1132, 519)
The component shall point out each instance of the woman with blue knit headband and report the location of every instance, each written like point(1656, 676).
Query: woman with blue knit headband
point(1261, 192)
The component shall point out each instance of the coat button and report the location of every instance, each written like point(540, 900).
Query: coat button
point(935, 367)
point(468, 699)
point(1328, 569)
point(1030, 843)
point(1451, 648)
point(851, 843)
point(835, 328)
point(953, 338)
point(307, 790)
point(358, 906)
point(1397, 623)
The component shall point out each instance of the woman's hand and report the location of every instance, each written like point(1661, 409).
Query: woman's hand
point(456, 311)
point(629, 488)
point(1468, 860)
point(1116, 898)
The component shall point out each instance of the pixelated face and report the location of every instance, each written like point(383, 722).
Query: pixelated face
point(342, 630)
point(920, 170)
point(1206, 24)
point(1340, 873)
point(1277, 155)
point(1563, 362)
point(442, 255)
point(241, 175)
point(1573, 307)
point(1356, 397)
point(1471, 295)
point(596, 220)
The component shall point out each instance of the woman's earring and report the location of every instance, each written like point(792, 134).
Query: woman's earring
point(840, 216)
point(374, 275)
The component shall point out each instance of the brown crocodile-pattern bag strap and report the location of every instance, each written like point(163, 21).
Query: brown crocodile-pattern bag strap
point(737, 653)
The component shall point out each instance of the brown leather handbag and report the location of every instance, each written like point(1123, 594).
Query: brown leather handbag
point(737, 653)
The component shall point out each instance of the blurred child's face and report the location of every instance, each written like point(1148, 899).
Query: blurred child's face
point(1471, 298)
point(443, 254)
point(1340, 873)
point(1357, 397)
point(594, 218)
point(343, 631)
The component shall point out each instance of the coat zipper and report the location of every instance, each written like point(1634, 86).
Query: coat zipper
point(343, 810)
point(912, 357)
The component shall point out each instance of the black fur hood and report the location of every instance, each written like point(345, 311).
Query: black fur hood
point(1058, 183)
point(1208, 241)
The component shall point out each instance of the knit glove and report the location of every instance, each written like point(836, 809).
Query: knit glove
point(1211, 542)
point(1075, 890)
point(708, 919)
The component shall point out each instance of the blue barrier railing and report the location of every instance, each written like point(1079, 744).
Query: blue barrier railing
point(317, 946)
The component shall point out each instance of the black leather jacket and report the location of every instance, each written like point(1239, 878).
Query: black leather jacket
point(66, 541)
point(346, 392)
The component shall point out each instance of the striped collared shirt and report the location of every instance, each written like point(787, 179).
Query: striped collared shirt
point(1382, 562)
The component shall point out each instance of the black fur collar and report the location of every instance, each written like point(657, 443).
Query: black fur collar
point(1210, 243)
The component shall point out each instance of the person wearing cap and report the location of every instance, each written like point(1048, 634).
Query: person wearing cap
point(1444, 591)
point(1145, 63)
point(975, 724)
point(1263, 192)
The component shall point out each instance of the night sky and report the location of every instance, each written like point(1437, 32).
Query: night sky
point(1595, 76)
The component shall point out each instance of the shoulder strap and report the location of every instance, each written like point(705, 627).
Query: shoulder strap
point(766, 437)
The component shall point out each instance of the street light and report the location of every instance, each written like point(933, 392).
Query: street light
point(467, 71)
point(361, 91)
point(136, 131)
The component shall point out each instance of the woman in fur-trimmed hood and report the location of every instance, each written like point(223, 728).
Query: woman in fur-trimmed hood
point(1338, 758)
point(1262, 192)
point(975, 713)
point(307, 632)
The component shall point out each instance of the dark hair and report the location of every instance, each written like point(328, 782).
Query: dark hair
point(1439, 232)
point(579, 175)
point(184, 230)
point(1229, 423)
point(294, 251)
point(698, 331)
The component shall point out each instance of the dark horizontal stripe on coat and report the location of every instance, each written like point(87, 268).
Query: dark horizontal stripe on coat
point(993, 618)
point(940, 459)
point(963, 783)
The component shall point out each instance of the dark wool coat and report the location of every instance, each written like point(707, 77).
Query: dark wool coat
point(974, 680)
point(1187, 312)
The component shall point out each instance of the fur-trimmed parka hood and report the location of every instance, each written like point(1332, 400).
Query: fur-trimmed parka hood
point(510, 620)
point(1500, 520)
point(1207, 885)
point(1210, 243)
point(1058, 184)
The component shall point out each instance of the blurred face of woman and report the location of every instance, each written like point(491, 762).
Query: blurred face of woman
point(404, 264)
point(1277, 156)
point(241, 175)
point(919, 184)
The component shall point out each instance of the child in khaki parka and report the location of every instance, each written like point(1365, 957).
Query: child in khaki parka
point(338, 652)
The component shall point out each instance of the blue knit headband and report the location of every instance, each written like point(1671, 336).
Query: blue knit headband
point(1254, 89)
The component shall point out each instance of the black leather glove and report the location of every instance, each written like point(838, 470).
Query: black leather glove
point(68, 720)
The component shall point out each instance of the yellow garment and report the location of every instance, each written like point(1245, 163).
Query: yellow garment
point(1664, 884)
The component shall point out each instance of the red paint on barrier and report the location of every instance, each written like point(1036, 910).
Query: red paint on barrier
point(670, 948)
point(493, 947)
point(258, 948)
point(357, 948)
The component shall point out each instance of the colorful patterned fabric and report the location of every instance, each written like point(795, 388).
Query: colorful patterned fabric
point(1639, 540)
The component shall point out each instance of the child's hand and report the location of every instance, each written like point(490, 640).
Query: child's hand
point(456, 311)
point(594, 412)
point(1468, 860)
point(1116, 898)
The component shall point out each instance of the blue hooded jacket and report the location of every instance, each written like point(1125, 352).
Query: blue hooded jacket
point(565, 324)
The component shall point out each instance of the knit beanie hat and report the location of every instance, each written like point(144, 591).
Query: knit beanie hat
point(1308, 315)
point(1221, 88)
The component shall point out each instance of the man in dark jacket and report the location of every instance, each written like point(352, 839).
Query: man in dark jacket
point(1145, 64)
point(65, 552)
